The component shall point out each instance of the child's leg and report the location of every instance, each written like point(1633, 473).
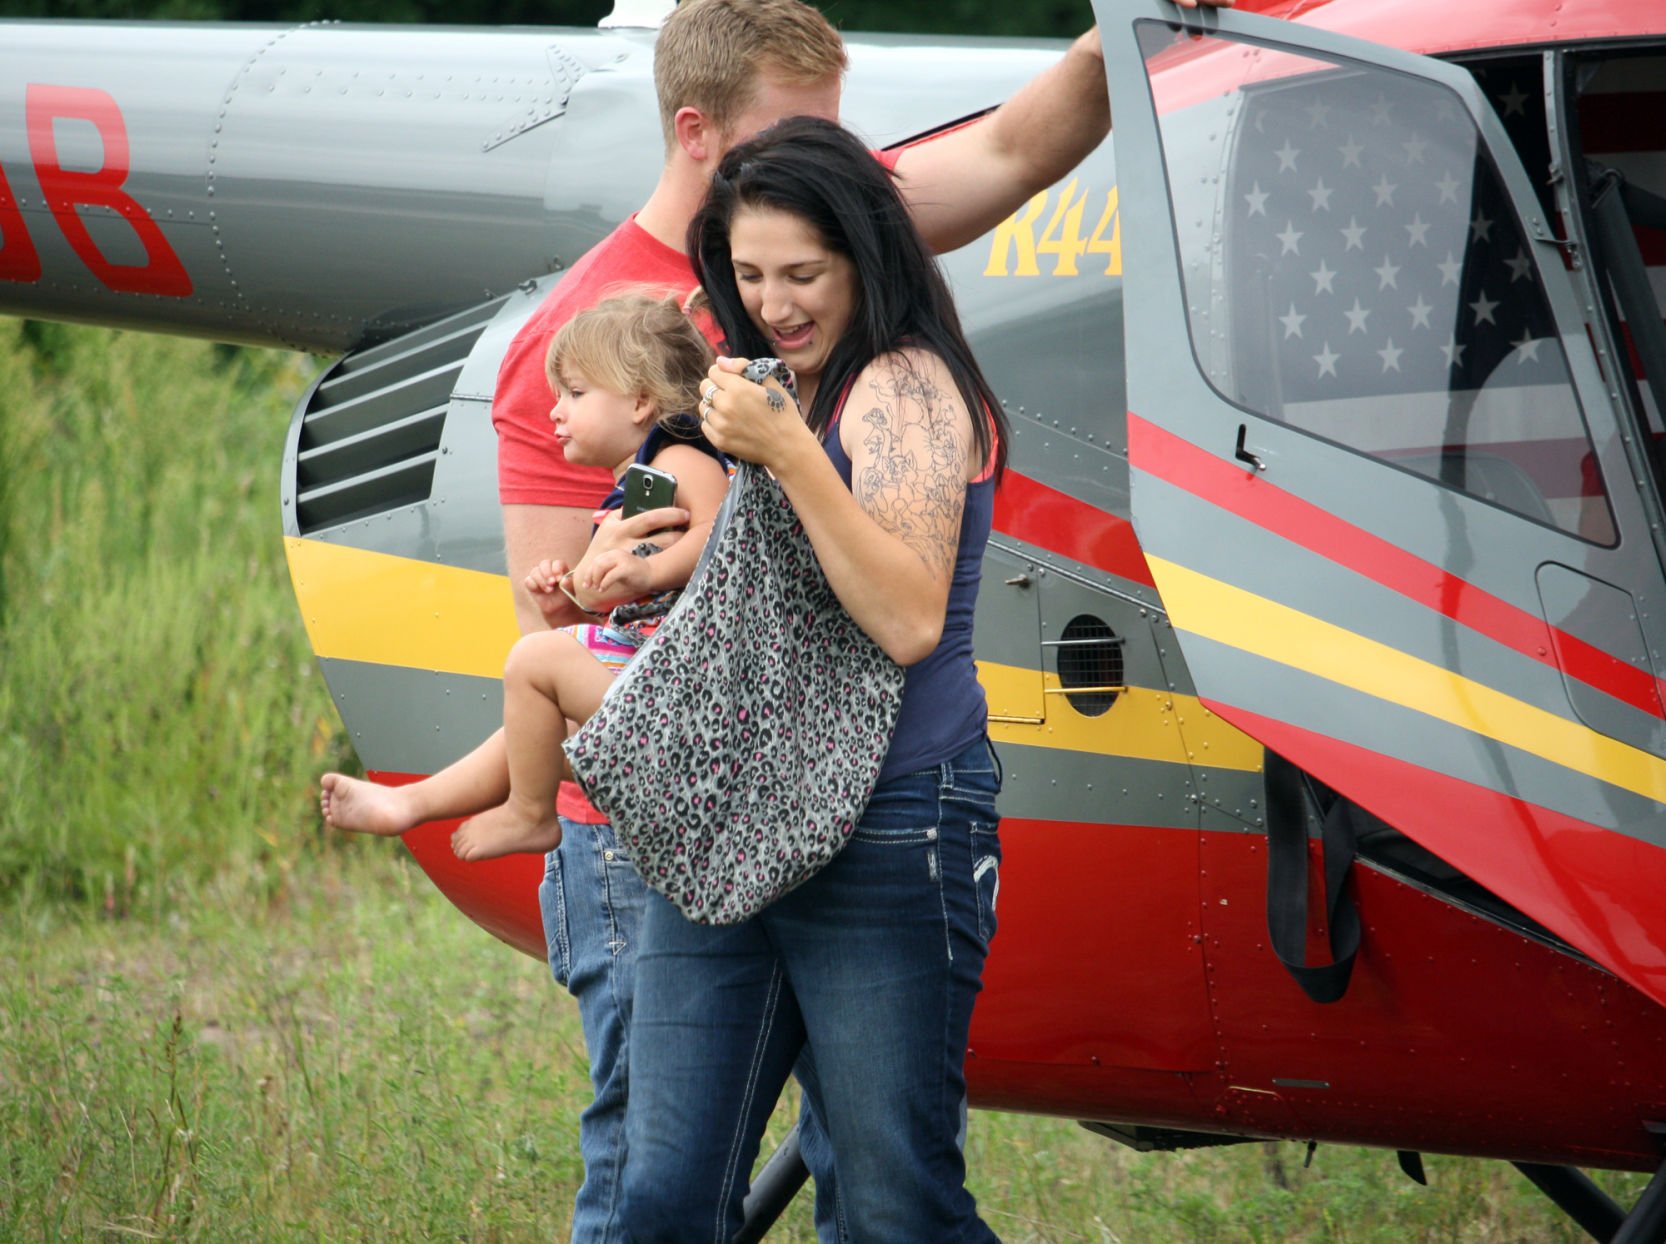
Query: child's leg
point(478, 781)
point(549, 678)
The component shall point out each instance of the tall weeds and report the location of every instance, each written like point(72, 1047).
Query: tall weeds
point(160, 712)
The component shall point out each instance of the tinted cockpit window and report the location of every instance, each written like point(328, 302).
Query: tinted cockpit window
point(1353, 267)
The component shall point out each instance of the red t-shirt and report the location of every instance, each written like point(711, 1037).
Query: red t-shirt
point(531, 469)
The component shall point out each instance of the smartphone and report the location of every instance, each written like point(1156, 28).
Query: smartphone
point(647, 488)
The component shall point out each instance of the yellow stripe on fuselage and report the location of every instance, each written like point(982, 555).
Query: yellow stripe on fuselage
point(1239, 619)
point(1143, 724)
point(385, 610)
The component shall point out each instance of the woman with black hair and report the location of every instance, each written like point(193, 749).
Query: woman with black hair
point(806, 253)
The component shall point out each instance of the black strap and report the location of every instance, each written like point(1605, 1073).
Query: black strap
point(1292, 798)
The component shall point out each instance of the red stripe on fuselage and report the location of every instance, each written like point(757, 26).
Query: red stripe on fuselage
point(1590, 885)
point(1054, 520)
point(1176, 461)
point(500, 895)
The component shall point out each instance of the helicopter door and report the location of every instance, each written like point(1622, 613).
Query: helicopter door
point(1387, 501)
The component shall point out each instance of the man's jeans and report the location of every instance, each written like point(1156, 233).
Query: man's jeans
point(874, 961)
point(592, 901)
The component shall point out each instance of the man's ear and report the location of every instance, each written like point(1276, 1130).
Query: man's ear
point(696, 135)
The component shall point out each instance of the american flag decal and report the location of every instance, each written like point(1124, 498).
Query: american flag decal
point(1385, 253)
point(1354, 266)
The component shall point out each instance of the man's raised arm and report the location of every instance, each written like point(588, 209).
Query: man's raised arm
point(963, 184)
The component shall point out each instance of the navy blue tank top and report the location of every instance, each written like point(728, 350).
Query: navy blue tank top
point(677, 430)
point(943, 707)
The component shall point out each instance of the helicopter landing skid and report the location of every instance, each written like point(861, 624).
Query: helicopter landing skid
point(1597, 1213)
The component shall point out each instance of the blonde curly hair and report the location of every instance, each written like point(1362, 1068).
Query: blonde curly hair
point(634, 344)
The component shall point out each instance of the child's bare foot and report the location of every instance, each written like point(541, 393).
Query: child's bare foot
point(503, 831)
point(352, 803)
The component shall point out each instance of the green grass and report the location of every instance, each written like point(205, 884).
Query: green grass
point(160, 710)
point(218, 1023)
point(347, 1058)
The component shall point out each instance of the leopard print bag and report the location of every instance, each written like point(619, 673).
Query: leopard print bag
point(736, 752)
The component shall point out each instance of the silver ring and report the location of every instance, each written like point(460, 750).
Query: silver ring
point(709, 392)
point(705, 408)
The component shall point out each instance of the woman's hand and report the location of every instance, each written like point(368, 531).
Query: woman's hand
point(664, 527)
point(617, 574)
point(612, 549)
point(758, 422)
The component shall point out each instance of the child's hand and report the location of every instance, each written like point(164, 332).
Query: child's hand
point(545, 577)
point(543, 584)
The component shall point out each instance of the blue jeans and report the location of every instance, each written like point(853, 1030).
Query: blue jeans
point(592, 901)
point(873, 964)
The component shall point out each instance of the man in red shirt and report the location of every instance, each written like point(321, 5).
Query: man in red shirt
point(723, 70)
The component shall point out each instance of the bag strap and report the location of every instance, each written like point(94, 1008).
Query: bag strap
point(1291, 800)
point(725, 514)
point(746, 473)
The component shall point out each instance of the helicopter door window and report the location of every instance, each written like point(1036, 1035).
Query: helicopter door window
point(1354, 267)
point(1614, 95)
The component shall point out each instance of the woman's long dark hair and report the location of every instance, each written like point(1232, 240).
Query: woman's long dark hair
point(822, 174)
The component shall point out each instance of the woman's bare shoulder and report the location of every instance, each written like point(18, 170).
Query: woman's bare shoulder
point(908, 393)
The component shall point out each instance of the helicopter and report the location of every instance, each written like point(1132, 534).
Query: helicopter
point(1322, 624)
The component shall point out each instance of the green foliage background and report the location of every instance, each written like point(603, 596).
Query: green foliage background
point(989, 17)
point(161, 715)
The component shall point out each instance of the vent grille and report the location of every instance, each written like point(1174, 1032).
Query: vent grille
point(1090, 665)
point(370, 433)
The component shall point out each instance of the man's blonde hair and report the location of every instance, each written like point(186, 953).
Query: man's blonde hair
point(631, 344)
point(711, 53)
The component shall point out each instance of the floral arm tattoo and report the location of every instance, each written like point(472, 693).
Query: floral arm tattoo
point(913, 483)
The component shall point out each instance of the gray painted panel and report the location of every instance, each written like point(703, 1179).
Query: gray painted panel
point(1064, 598)
point(412, 721)
point(1008, 626)
point(1604, 616)
point(331, 185)
point(1044, 783)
